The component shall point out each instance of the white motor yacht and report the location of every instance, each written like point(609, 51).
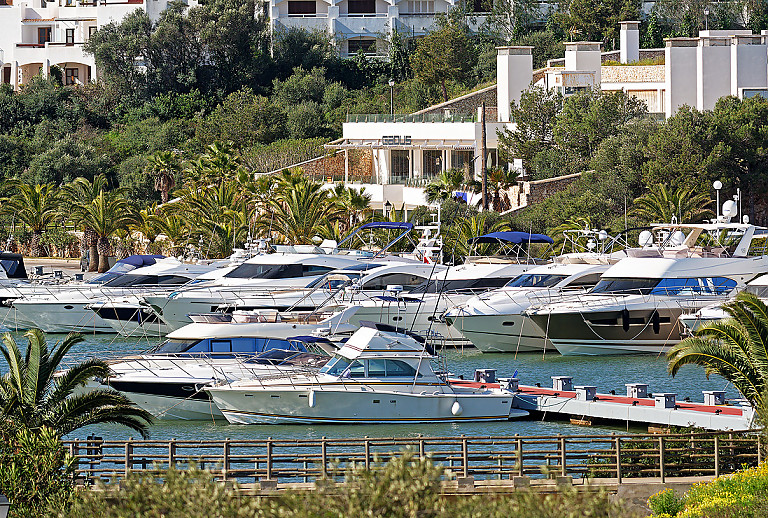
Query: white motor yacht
point(131, 317)
point(167, 381)
point(378, 376)
point(495, 321)
point(63, 311)
point(635, 306)
point(420, 310)
point(289, 268)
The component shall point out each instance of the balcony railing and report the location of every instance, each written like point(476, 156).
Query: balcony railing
point(312, 15)
point(364, 15)
point(423, 117)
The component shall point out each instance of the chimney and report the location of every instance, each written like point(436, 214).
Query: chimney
point(583, 56)
point(514, 73)
point(630, 42)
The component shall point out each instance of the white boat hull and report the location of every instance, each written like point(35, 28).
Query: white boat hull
point(59, 317)
point(502, 333)
point(358, 407)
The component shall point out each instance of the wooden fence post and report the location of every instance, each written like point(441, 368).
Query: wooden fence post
point(323, 456)
point(225, 467)
point(661, 458)
point(618, 459)
point(172, 453)
point(465, 455)
point(519, 448)
point(717, 456)
point(269, 458)
point(128, 454)
point(367, 453)
point(563, 470)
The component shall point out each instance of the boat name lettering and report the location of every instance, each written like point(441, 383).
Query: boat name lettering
point(395, 140)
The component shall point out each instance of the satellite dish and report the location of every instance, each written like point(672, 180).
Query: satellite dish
point(602, 235)
point(645, 238)
point(677, 239)
point(730, 209)
point(745, 219)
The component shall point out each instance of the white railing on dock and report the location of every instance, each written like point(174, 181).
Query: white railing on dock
point(303, 460)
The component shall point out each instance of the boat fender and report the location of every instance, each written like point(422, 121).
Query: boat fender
point(625, 319)
point(311, 399)
point(655, 321)
point(456, 408)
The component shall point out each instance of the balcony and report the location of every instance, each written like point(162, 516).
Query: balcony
point(423, 117)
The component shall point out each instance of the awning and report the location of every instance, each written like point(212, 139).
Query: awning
point(352, 143)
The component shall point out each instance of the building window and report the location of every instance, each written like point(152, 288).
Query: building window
point(432, 163)
point(362, 6)
point(463, 160)
point(367, 45)
point(70, 76)
point(70, 37)
point(421, 7)
point(7, 75)
point(302, 7)
point(91, 31)
point(481, 6)
point(401, 166)
point(43, 35)
point(70, 2)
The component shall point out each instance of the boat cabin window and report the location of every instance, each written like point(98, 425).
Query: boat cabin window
point(586, 280)
point(626, 286)
point(434, 286)
point(535, 280)
point(128, 280)
point(357, 369)
point(228, 345)
point(389, 368)
point(403, 279)
point(697, 286)
point(276, 271)
point(758, 291)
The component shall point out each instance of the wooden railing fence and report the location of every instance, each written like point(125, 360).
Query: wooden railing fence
point(504, 457)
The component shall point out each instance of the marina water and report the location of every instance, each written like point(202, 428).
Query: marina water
point(606, 372)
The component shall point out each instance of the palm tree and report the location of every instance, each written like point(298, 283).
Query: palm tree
point(76, 195)
point(32, 396)
point(164, 167)
point(499, 182)
point(457, 238)
point(442, 187)
point(353, 201)
point(107, 214)
point(146, 223)
point(735, 348)
point(661, 204)
point(37, 206)
point(298, 210)
point(176, 230)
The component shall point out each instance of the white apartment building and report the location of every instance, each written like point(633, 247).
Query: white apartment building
point(408, 151)
point(37, 34)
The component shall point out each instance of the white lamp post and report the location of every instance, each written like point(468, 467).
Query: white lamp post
point(706, 18)
point(717, 185)
point(392, 96)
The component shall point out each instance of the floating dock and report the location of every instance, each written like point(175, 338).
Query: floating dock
point(584, 405)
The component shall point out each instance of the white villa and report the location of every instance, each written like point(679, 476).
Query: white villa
point(36, 34)
point(408, 151)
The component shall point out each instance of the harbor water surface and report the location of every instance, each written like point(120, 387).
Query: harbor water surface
point(606, 372)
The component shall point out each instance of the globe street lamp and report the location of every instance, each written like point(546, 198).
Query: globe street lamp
point(392, 96)
point(717, 185)
point(706, 18)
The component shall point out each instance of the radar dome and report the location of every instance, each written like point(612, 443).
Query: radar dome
point(730, 209)
point(677, 238)
point(645, 238)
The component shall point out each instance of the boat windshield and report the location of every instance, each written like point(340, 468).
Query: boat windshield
point(757, 290)
point(534, 280)
point(175, 346)
point(332, 282)
point(434, 286)
point(336, 366)
point(626, 286)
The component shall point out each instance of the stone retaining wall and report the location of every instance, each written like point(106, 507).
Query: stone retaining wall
point(528, 193)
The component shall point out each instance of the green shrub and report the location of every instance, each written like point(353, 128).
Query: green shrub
point(666, 503)
point(406, 487)
point(35, 471)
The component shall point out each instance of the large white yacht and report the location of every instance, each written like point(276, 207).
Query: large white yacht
point(378, 376)
point(66, 310)
point(289, 268)
point(495, 321)
point(421, 309)
point(635, 306)
point(167, 381)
